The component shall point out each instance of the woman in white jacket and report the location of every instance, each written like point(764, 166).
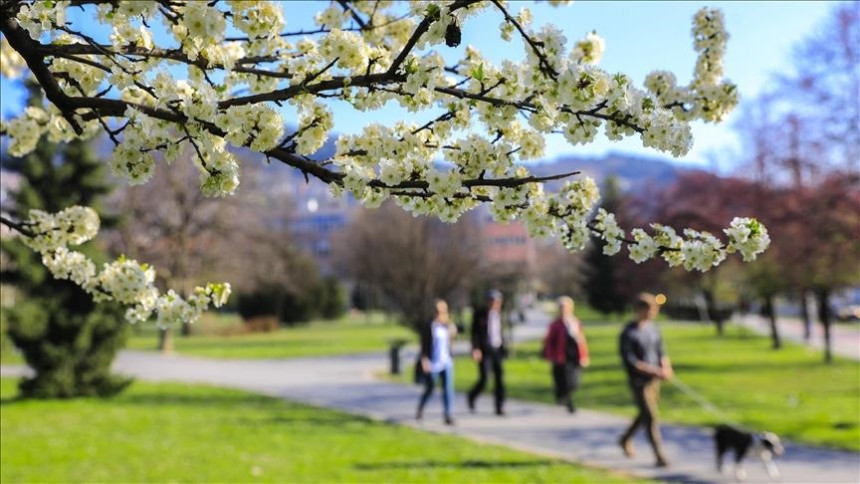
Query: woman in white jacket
point(436, 360)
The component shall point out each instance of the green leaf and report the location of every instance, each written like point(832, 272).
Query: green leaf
point(433, 10)
point(478, 73)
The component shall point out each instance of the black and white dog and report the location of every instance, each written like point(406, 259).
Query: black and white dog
point(765, 445)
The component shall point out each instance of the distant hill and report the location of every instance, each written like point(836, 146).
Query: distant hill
point(635, 173)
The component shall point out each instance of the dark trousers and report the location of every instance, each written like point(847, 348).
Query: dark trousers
point(491, 360)
point(447, 380)
point(646, 395)
point(566, 379)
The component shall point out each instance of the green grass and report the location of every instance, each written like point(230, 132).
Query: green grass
point(349, 335)
point(10, 356)
point(182, 433)
point(790, 391)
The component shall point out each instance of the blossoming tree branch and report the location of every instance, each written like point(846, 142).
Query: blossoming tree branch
point(222, 68)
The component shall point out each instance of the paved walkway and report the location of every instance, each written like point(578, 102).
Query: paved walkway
point(348, 383)
point(845, 336)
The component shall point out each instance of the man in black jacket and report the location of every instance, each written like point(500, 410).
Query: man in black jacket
point(488, 350)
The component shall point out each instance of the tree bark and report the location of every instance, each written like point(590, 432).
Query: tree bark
point(804, 313)
point(825, 317)
point(770, 313)
point(165, 341)
point(713, 314)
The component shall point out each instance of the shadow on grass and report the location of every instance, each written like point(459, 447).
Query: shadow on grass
point(11, 401)
point(202, 400)
point(337, 421)
point(467, 464)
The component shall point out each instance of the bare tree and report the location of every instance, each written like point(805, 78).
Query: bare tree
point(180, 230)
point(411, 260)
point(191, 238)
point(802, 143)
point(560, 272)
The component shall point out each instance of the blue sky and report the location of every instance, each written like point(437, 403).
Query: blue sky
point(640, 37)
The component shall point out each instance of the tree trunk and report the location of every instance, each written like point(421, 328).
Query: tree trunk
point(804, 314)
point(711, 309)
point(702, 306)
point(824, 316)
point(165, 341)
point(770, 313)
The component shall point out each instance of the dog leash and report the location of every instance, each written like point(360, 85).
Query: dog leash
point(704, 402)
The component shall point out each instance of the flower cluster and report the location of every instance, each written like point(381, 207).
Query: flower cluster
point(699, 250)
point(574, 202)
point(12, 65)
point(608, 230)
point(72, 226)
point(588, 50)
point(747, 236)
point(40, 17)
point(258, 123)
point(125, 280)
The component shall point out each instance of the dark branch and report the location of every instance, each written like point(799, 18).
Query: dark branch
point(17, 226)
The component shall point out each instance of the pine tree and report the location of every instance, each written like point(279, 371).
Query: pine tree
point(68, 340)
point(601, 285)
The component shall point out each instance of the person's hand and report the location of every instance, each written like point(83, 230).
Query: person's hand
point(585, 363)
point(425, 364)
point(663, 374)
point(477, 355)
point(667, 373)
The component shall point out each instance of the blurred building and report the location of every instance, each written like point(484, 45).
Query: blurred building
point(507, 247)
point(317, 219)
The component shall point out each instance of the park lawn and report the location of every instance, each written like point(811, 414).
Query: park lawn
point(10, 356)
point(190, 433)
point(789, 391)
point(348, 335)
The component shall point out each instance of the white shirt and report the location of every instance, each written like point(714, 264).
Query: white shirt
point(441, 357)
point(494, 328)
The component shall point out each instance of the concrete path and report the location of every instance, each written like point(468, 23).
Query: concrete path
point(349, 383)
point(845, 337)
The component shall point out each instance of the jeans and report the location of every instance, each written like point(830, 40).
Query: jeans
point(447, 377)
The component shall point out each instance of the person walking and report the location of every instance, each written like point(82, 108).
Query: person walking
point(488, 350)
point(565, 347)
point(436, 360)
point(646, 363)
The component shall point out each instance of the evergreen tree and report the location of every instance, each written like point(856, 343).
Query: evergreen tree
point(601, 285)
point(66, 338)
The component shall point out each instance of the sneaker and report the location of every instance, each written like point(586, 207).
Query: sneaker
point(627, 447)
point(449, 420)
point(419, 414)
point(500, 412)
point(471, 403)
point(661, 462)
point(571, 408)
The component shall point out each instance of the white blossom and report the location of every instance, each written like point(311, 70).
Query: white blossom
point(124, 280)
point(473, 122)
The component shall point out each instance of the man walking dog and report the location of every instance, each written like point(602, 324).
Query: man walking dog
point(646, 363)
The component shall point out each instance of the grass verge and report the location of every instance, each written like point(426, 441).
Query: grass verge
point(348, 335)
point(183, 433)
